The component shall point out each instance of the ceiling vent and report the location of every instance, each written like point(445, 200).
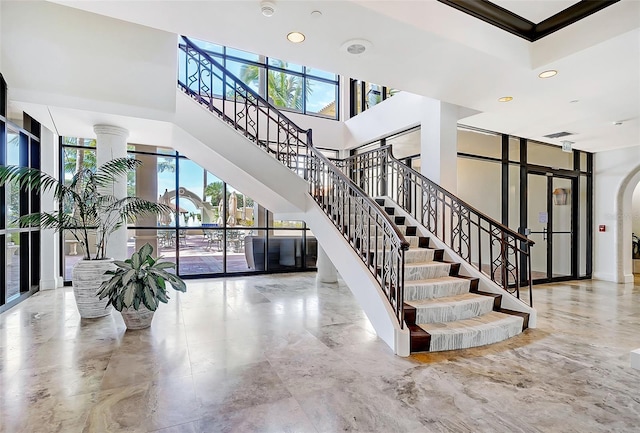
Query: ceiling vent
point(356, 46)
point(558, 134)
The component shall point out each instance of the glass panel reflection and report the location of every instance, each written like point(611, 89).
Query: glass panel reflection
point(12, 254)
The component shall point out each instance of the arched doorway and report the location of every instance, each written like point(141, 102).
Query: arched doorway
point(624, 226)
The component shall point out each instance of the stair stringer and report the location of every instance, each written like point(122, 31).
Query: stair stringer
point(358, 278)
point(213, 144)
point(485, 284)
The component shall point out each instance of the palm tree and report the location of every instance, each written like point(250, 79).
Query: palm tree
point(283, 89)
point(95, 211)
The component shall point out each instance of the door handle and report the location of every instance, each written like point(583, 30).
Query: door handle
point(544, 233)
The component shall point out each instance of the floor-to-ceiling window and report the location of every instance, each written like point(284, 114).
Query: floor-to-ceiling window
point(288, 86)
point(215, 229)
point(19, 246)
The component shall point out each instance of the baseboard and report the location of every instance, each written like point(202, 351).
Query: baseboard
point(603, 276)
point(48, 284)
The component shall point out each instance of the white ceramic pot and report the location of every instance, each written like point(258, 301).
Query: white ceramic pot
point(137, 319)
point(87, 275)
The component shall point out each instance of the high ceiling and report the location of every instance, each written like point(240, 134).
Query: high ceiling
point(431, 49)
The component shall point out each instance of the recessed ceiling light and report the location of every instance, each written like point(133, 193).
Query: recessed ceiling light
point(506, 99)
point(295, 37)
point(316, 14)
point(547, 74)
point(574, 101)
point(617, 123)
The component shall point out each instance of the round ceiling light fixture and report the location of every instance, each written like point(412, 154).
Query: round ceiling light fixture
point(356, 46)
point(267, 8)
point(505, 99)
point(296, 37)
point(548, 74)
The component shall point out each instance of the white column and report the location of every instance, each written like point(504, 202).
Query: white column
point(50, 277)
point(327, 272)
point(438, 143)
point(111, 144)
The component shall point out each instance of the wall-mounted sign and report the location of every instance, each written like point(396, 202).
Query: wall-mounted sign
point(543, 217)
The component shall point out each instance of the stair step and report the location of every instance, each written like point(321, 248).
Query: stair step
point(413, 241)
point(435, 288)
point(478, 331)
point(405, 230)
point(426, 271)
point(417, 255)
point(451, 308)
point(414, 255)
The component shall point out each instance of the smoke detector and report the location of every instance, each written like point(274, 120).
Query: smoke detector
point(356, 46)
point(267, 8)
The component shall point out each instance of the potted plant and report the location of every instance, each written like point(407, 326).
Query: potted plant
point(90, 213)
point(138, 285)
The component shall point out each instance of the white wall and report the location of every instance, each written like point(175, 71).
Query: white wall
point(617, 172)
point(326, 132)
point(398, 113)
point(61, 56)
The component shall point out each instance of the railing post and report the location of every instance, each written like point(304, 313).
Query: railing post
point(384, 174)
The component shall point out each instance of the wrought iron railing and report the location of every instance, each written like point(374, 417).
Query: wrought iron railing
point(364, 224)
point(367, 228)
point(500, 252)
point(210, 84)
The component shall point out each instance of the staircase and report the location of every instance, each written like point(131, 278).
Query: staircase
point(443, 309)
point(414, 298)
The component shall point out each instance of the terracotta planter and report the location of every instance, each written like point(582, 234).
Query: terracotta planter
point(87, 275)
point(137, 319)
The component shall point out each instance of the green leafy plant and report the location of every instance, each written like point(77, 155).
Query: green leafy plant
point(88, 208)
point(140, 280)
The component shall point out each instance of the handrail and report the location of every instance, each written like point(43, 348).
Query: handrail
point(367, 228)
point(488, 245)
point(248, 89)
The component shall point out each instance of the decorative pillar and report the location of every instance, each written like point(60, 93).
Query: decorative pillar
point(50, 277)
point(439, 143)
point(112, 144)
point(327, 272)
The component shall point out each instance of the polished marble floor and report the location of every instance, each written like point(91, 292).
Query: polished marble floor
point(282, 354)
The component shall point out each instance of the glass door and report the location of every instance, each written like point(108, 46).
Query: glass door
point(550, 226)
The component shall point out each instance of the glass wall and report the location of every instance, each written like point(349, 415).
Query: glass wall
point(19, 246)
point(215, 228)
point(521, 181)
point(288, 86)
point(364, 95)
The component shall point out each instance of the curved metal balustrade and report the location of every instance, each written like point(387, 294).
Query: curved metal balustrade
point(367, 228)
point(491, 247)
point(210, 84)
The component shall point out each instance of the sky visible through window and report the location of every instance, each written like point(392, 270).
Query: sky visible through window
point(320, 93)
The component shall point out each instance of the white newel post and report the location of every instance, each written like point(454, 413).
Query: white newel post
point(327, 272)
point(111, 144)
